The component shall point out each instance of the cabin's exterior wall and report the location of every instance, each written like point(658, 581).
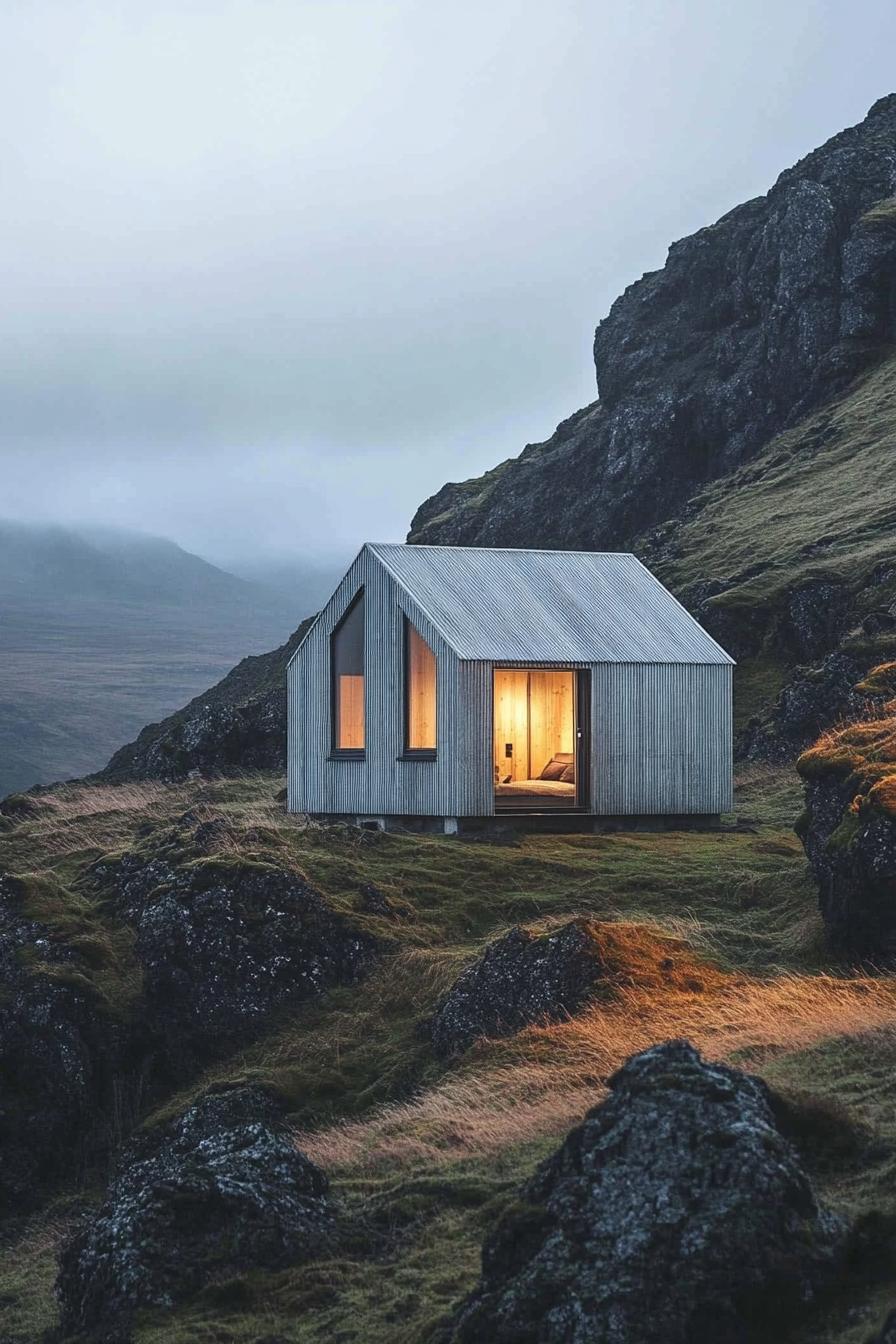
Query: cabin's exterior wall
point(382, 784)
point(661, 733)
point(661, 738)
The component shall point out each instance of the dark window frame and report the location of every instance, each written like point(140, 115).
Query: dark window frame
point(414, 753)
point(338, 753)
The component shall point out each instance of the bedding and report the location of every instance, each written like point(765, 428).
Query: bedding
point(544, 788)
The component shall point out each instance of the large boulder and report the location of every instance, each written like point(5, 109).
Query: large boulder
point(520, 979)
point(525, 978)
point(58, 1051)
point(677, 1213)
point(848, 828)
point(224, 944)
point(219, 1190)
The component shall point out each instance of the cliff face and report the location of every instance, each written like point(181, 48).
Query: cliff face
point(744, 445)
point(752, 323)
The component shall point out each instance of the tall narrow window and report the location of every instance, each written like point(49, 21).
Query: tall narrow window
point(420, 691)
point(347, 664)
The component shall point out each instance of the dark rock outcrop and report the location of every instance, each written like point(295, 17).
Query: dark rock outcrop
point(225, 944)
point(58, 1052)
point(240, 724)
point(676, 1214)
point(520, 979)
point(887, 1333)
point(750, 324)
point(220, 1190)
point(851, 844)
point(848, 827)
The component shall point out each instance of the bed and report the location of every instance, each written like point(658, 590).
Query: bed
point(554, 787)
point(542, 788)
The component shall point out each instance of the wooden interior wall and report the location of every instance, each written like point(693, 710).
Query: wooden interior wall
point(350, 707)
point(512, 722)
point(551, 717)
point(535, 712)
point(421, 692)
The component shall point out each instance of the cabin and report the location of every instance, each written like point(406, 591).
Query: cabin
point(445, 686)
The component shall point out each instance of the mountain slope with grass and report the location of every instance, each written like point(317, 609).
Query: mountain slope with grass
point(714, 936)
point(742, 445)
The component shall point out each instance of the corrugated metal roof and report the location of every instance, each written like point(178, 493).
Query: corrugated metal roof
point(544, 606)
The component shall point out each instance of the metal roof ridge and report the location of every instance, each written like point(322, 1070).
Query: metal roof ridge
point(372, 547)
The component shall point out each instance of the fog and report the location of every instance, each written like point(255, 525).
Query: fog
point(273, 271)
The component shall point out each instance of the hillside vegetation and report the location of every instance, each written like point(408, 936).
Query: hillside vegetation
point(716, 938)
point(793, 558)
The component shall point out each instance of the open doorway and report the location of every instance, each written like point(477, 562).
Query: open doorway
point(537, 741)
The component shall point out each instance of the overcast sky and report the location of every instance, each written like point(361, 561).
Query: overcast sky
point(274, 270)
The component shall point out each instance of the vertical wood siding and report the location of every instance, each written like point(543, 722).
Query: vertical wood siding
point(661, 738)
point(382, 783)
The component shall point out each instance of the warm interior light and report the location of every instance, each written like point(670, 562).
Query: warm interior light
point(421, 691)
point(534, 713)
point(347, 661)
point(350, 710)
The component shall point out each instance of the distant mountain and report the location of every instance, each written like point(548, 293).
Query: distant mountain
point(102, 630)
point(315, 580)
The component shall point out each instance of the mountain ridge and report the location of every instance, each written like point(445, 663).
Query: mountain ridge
point(763, 338)
point(102, 630)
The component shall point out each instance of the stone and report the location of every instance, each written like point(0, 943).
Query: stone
point(224, 944)
point(58, 1052)
point(220, 1190)
point(677, 1213)
point(520, 979)
point(851, 846)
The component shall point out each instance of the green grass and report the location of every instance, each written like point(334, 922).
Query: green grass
point(816, 504)
point(421, 1183)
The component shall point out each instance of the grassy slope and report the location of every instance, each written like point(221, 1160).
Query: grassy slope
point(424, 1156)
point(818, 503)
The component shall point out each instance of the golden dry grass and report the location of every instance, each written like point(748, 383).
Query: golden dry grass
point(541, 1083)
point(863, 751)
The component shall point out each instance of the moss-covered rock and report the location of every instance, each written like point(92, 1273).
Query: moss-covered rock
point(223, 943)
point(219, 1190)
point(677, 1213)
point(849, 827)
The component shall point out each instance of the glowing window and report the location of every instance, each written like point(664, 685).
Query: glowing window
point(420, 691)
point(347, 663)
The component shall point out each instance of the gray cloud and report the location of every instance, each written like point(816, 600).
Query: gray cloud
point(273, 270)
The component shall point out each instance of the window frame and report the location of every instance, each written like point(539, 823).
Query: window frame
point(409, 753)
point(336, 752)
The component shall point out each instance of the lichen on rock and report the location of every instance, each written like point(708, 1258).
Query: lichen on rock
point(849, 826)
point(677, 1213)
point(219, 1190)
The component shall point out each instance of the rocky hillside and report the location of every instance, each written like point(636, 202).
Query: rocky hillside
point(744, 442)
point(270, 1081)
point(750, 324)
